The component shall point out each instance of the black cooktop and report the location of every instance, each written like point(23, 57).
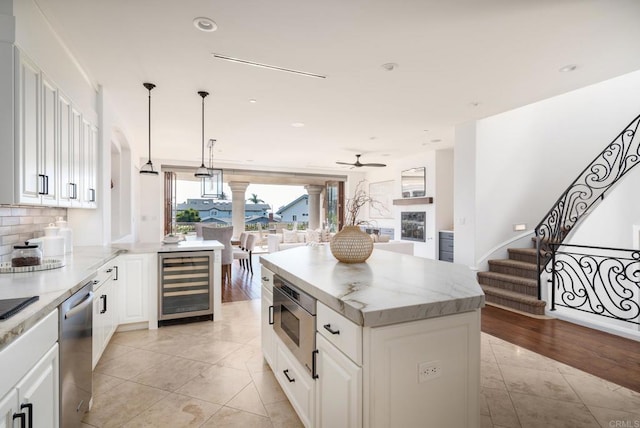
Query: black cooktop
point(10, 307)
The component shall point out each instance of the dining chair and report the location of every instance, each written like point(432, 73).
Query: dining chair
point(244, 256)
point(240, 248)
point(222, 235)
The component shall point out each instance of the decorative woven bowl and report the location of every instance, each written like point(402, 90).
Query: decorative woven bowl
point(351, 245)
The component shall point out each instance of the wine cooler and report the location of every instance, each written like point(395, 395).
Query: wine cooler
point(185, 286)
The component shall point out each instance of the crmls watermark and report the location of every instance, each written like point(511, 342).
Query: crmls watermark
point(625, 423)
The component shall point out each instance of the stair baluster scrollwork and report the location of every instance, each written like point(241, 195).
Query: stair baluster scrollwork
point(618, 158)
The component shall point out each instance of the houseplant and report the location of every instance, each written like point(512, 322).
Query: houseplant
point(351, 244)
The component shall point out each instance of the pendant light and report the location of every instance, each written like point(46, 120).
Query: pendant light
point(203, 171)
point(147, 168)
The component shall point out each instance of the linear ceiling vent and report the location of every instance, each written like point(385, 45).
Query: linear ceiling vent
point(270, 67)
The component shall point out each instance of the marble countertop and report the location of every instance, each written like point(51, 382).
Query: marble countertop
point(388, 288)
point(159, 247)
point(56, 285)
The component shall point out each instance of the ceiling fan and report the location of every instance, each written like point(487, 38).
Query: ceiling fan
point(358, 164)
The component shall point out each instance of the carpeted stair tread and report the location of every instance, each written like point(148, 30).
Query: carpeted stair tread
point(512, 295)
point(514, 264)
point(509, 278)
point(525, 251)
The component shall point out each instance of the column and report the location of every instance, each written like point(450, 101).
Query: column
point(314, 205)
point(238, 200)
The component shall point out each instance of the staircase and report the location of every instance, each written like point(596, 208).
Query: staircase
point(512, 283)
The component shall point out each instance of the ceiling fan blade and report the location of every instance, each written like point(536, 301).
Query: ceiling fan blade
point(374, 164)
point(345, 163)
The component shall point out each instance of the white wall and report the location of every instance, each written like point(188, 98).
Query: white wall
point(525, 158)
point(612, 223)
point(464, 194)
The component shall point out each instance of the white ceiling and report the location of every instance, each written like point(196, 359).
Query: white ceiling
point(458, 60)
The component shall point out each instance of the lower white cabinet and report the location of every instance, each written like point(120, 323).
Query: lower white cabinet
point(134, 280)
point(266, 318)
point(32, 379)
point(268, 343)
point(296, 383)
point(338, 388)
point(105, 310)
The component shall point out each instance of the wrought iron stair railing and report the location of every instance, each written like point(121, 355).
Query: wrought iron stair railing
point(620, 156)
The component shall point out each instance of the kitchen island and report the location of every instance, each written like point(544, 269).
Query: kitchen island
point(397, 340)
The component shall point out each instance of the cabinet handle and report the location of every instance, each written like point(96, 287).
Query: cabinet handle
point(270, 315)
point(22, 418)
point(265, 278)
point(92, 192)
point(330, 330)
point(46, 184)
point(73, 191)
point(42, 188)
point(29, 407)
point(314, 367)
point(286, 373)
point(109, 270)
point(115, 278)
point(104, 303)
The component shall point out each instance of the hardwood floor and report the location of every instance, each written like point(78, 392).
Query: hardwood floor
point(610, 357)
point(244, 285)
point(607, 356)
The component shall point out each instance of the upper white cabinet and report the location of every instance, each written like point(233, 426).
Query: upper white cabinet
point(56, 145)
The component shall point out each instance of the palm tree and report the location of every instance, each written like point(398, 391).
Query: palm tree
point(254, 199)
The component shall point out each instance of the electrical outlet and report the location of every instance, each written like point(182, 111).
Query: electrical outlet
point(428, 371)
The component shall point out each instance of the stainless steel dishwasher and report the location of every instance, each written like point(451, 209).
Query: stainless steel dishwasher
point(75, 341)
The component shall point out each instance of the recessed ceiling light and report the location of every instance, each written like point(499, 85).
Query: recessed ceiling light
point(297, 124)
point(252, 101)
point(475, 103)
point(436, 140)
point(203, 23)
point(390, 66)
point(567, 68)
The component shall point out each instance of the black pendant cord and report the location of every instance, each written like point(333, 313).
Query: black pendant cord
point(149, 125)
point(202, 94)
point(149, 87)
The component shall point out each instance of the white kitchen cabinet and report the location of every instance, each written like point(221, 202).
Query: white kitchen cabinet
point(32, 379)
point(134, 281)
point(88, 165)
point(105, 310)
point(56, 146)
point(268, 343)
point(28, 86)
point(338, 388)
point(39, 388)
point(66, 177)
point(296, 382)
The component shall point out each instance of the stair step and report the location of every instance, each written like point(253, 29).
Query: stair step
point(503, 281)
point(515, 268)
point(514, 300)
point(523, 254)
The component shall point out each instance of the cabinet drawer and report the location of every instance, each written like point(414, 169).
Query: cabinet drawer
point(267, 278)
point(296, 383)
point(341, 332)
point(446, 245)
point(446, 256)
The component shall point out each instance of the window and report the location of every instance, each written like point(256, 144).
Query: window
point(294, 217)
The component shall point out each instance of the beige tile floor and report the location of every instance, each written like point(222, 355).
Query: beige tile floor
point(213, 375)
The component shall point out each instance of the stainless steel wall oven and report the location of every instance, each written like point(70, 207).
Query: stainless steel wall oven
point(294, 321)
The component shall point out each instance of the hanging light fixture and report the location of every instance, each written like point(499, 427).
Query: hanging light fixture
point(203, 171)
point(147, 168)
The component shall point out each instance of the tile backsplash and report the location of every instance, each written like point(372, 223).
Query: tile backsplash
point(19, 223)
